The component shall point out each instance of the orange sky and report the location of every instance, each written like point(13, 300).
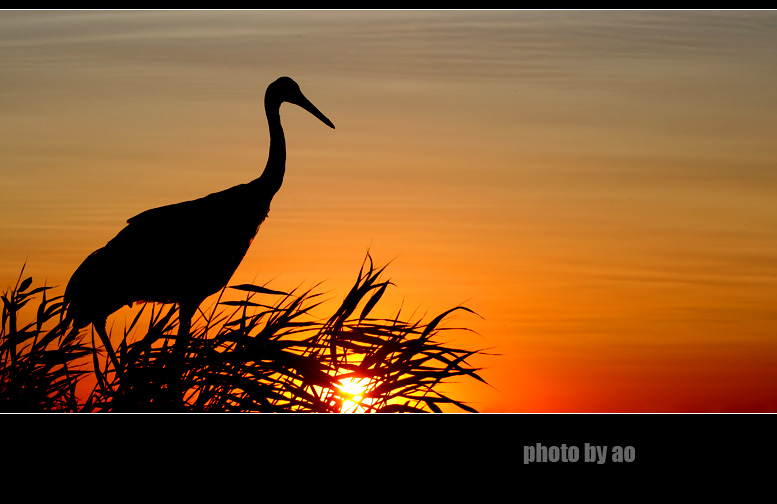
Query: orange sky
point(599, 186)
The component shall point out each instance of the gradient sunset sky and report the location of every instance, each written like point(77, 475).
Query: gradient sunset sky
point(600, 186)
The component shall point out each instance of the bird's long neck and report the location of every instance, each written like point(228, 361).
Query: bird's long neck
point(272, 176)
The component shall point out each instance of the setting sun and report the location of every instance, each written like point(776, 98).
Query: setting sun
point(353, 389)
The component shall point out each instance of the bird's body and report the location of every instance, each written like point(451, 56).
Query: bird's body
point(184, 252)
point(180, 253)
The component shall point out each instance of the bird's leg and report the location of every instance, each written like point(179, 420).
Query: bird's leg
point(99, 326)
point(185, 313)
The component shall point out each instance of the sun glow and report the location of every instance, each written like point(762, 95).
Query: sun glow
point(353, 391)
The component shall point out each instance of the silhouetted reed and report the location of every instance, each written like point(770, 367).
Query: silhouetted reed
point(264, 352)
point(38, 366)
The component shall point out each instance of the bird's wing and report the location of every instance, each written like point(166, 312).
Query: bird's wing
point(193, 209)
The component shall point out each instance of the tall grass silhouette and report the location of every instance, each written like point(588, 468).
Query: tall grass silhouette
point(263, 352)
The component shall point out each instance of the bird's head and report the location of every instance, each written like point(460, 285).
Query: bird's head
point(286, 90)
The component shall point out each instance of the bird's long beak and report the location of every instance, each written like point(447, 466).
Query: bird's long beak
point(305, 103)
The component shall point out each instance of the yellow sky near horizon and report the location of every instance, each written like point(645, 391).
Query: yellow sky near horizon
point(599, 186)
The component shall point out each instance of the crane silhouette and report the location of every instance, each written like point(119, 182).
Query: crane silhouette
point(182, 253)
